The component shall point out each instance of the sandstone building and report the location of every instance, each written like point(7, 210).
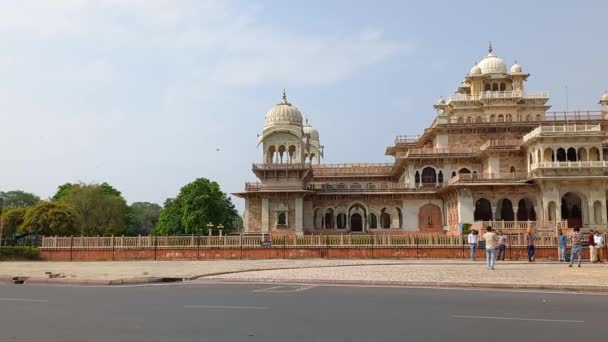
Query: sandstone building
point(493, 153)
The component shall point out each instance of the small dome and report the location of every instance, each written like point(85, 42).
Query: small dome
point(308, 129)
point(440, 102)
point(475, 70)
point(516, 68)
point(605, 96)
point(284, 113)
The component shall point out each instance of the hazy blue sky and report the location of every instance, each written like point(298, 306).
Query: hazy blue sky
point(140, 93)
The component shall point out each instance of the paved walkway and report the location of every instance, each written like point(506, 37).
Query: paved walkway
point(381, 272)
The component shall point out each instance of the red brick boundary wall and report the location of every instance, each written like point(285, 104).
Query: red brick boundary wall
point(287, 252)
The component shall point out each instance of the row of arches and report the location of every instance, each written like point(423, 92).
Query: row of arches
point(495, 86)
point(504, 210)
point(359, 218)
point(430, 176)
point(563, 154)
point(281, 154)
point(497, 118)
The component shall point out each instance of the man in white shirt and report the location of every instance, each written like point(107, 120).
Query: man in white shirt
point(491, 245)
point(472, 238)
point(599, 246)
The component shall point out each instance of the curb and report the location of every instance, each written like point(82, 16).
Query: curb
point(419, 284)
point(91, 282)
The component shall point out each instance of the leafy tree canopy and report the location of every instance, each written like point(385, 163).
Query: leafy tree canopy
point(143, 216)
point(50, 218)
point(100, 208)
point(65, 189)
point(12, 220)
point(197, 204)
point(17, 199)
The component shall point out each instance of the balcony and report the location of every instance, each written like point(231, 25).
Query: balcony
point(357, 187)
point(406, 140)
point(281, 166)
point(437, 152)
point(501, 144)
point(253, 186)
point(352, 169)
point(467, 178)
point(595, 164)
point(564, 130)
point(516, 94)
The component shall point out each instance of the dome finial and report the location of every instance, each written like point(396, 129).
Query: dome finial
point(284, 95)
point(490, 47)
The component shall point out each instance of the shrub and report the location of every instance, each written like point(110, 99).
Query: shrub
point(19, 253)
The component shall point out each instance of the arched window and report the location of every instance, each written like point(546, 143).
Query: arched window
point(483, 210)
point(597, 212)
point(341, 221)
point(548, 155)
point(504, 210)
point(495, 87)
point(341, 186)
point(528, 117)
point(373, 221)
point(539, 117)
point(479, 119)
point(492, 118)
point(501, 118)
point(469, 119)
point(464, 170)
point(460, 120)
point(488, 87)
point(282, 154)
point(270, 155)
point(355, 186)
point(509, 118)
point(429, 176)
point(561, 155)
point(594, 154)
point(292, 153)
point(571, 154)
point(282, 219)
point(582, 154)
point(503, 86)
point(525, 210)
point(329, 219)
point(385, 218)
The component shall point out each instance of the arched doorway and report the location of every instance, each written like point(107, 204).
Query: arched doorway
point(483, 210)
point(572, 210)
point(571, 154)
point(429, 217)
point(504, 210)
point(561, 155)
point(356, 223)
point(373, 221)
point(385, 218)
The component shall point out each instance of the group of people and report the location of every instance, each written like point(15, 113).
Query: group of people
point(498, 242)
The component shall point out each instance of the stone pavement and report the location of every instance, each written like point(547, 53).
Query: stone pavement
point(447, 273)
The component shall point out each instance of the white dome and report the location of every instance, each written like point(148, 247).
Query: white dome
point(284, 113)
point(605, 96)
point(492, 65)
point(475, 70)
point(308, 129)
point(516, 68)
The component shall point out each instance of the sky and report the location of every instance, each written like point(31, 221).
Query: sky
point(142, 93)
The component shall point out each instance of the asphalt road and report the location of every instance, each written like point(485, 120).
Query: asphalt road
point(235, 313)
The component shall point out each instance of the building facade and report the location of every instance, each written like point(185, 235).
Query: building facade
point(494, 154)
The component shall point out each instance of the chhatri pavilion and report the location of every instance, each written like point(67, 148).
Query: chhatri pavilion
point(494, 154)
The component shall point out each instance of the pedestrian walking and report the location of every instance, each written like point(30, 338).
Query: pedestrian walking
point(599, 246)
point(473, 238)
point(529, 239)
point(491, 243)
point(562, 241)
point(577, 246)
point(502, 245)
point(591, 242)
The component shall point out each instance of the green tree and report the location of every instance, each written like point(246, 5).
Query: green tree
point(12, 219)
point(17, 199)
point(63, 190)
point(143, 216)
point(197, 204)
point(100, 212)
point(50, 218)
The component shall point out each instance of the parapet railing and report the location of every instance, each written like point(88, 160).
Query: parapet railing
point(499, 95)
point(486, 177)
point(356, 187)
point(352, 169)
point(501, 143)
point(268, 240)
point(563, 129)
point(570, 164)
